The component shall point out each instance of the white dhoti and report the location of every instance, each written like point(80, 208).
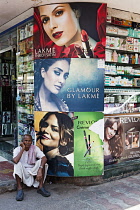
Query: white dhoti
point(27, 174)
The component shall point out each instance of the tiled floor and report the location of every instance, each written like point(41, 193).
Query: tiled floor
point(6, 171)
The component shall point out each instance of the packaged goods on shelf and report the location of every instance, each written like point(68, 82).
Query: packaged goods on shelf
point(137, 82)
point(127, 23)
point(111, 29)
point(116, 21)
point(123, 31)
point(108, 55)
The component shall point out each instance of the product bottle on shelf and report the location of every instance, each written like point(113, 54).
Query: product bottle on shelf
point(130, 58)
point(133, 59)
point(126, 59)
point(136, 58)
point(139, 59)
point(115, 56)
point(119, 58)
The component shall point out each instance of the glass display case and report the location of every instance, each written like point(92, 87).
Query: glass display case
point(122, 67)
point(25, 79)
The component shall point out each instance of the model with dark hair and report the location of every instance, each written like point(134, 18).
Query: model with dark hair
point(50, 77)
point(60, 24)
point(55, 138)
point(113, 145)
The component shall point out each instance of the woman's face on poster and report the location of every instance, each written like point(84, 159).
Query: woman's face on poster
point(56, 75)
point(110, 132)
point(50, 131)
point(60, 23)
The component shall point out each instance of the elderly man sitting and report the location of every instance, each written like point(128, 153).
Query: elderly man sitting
point(30, 167)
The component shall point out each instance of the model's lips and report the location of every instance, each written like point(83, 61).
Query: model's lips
point(58, 87)
point(57, 35)
point(110, 136)
point(45, 137)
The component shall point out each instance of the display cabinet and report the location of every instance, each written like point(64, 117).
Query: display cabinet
point(122, 66)
point(25, 79)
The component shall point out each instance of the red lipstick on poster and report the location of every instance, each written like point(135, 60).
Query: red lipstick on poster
point(85, 44)
point(57, 35)
point(79, 51)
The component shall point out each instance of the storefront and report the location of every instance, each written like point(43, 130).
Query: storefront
point(8, 92)
point(95, 102)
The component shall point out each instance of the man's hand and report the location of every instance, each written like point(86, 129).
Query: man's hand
point(22, 145)
point(39, 175)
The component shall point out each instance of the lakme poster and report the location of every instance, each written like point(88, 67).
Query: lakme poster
point(67, 84)
point(70, 30)
point(88, 144)
point(121, 138)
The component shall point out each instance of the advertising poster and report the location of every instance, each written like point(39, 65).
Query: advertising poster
point(72, 142)
point(69, 85)
point(55, 137)
point(121, 138)
point(88, 144)
point(70, 30)
point(131, 132)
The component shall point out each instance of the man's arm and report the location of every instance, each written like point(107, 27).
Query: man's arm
point(17, 158)
point(40, 173)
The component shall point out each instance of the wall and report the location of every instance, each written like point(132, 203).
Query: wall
point(127, 5)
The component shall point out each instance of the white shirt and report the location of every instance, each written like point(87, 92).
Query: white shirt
point(24, 157)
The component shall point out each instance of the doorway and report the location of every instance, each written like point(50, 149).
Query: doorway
point(8, 92)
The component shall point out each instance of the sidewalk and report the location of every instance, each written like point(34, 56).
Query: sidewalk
point(123, 194)
point(7, 182)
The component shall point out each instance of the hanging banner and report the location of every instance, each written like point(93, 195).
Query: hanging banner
point(69, 85)
point(70, 30)
point(121, 138)
point(70, 143)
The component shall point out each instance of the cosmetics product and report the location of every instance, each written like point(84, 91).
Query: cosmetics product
point(86, 44)
point(139, 59)
point(136, 58)
point(119, 58)
point(133, 59)
point(89, 144)
point(85, 137)
point(88, 149)
point(115, 56)
point(79, 51)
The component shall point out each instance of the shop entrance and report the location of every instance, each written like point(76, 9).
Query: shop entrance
point(8, 92)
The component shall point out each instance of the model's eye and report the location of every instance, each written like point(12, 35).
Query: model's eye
point(57, 73)
point(59, 13)
point(66, 76)
point(55, 129)
point(44, 125)
point(45, 20)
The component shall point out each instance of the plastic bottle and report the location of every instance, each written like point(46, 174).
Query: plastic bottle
point(136, 58)
point(119, 58)
point(126, 58)
point(115, 56)
point(133, 59)
point(139, 59)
